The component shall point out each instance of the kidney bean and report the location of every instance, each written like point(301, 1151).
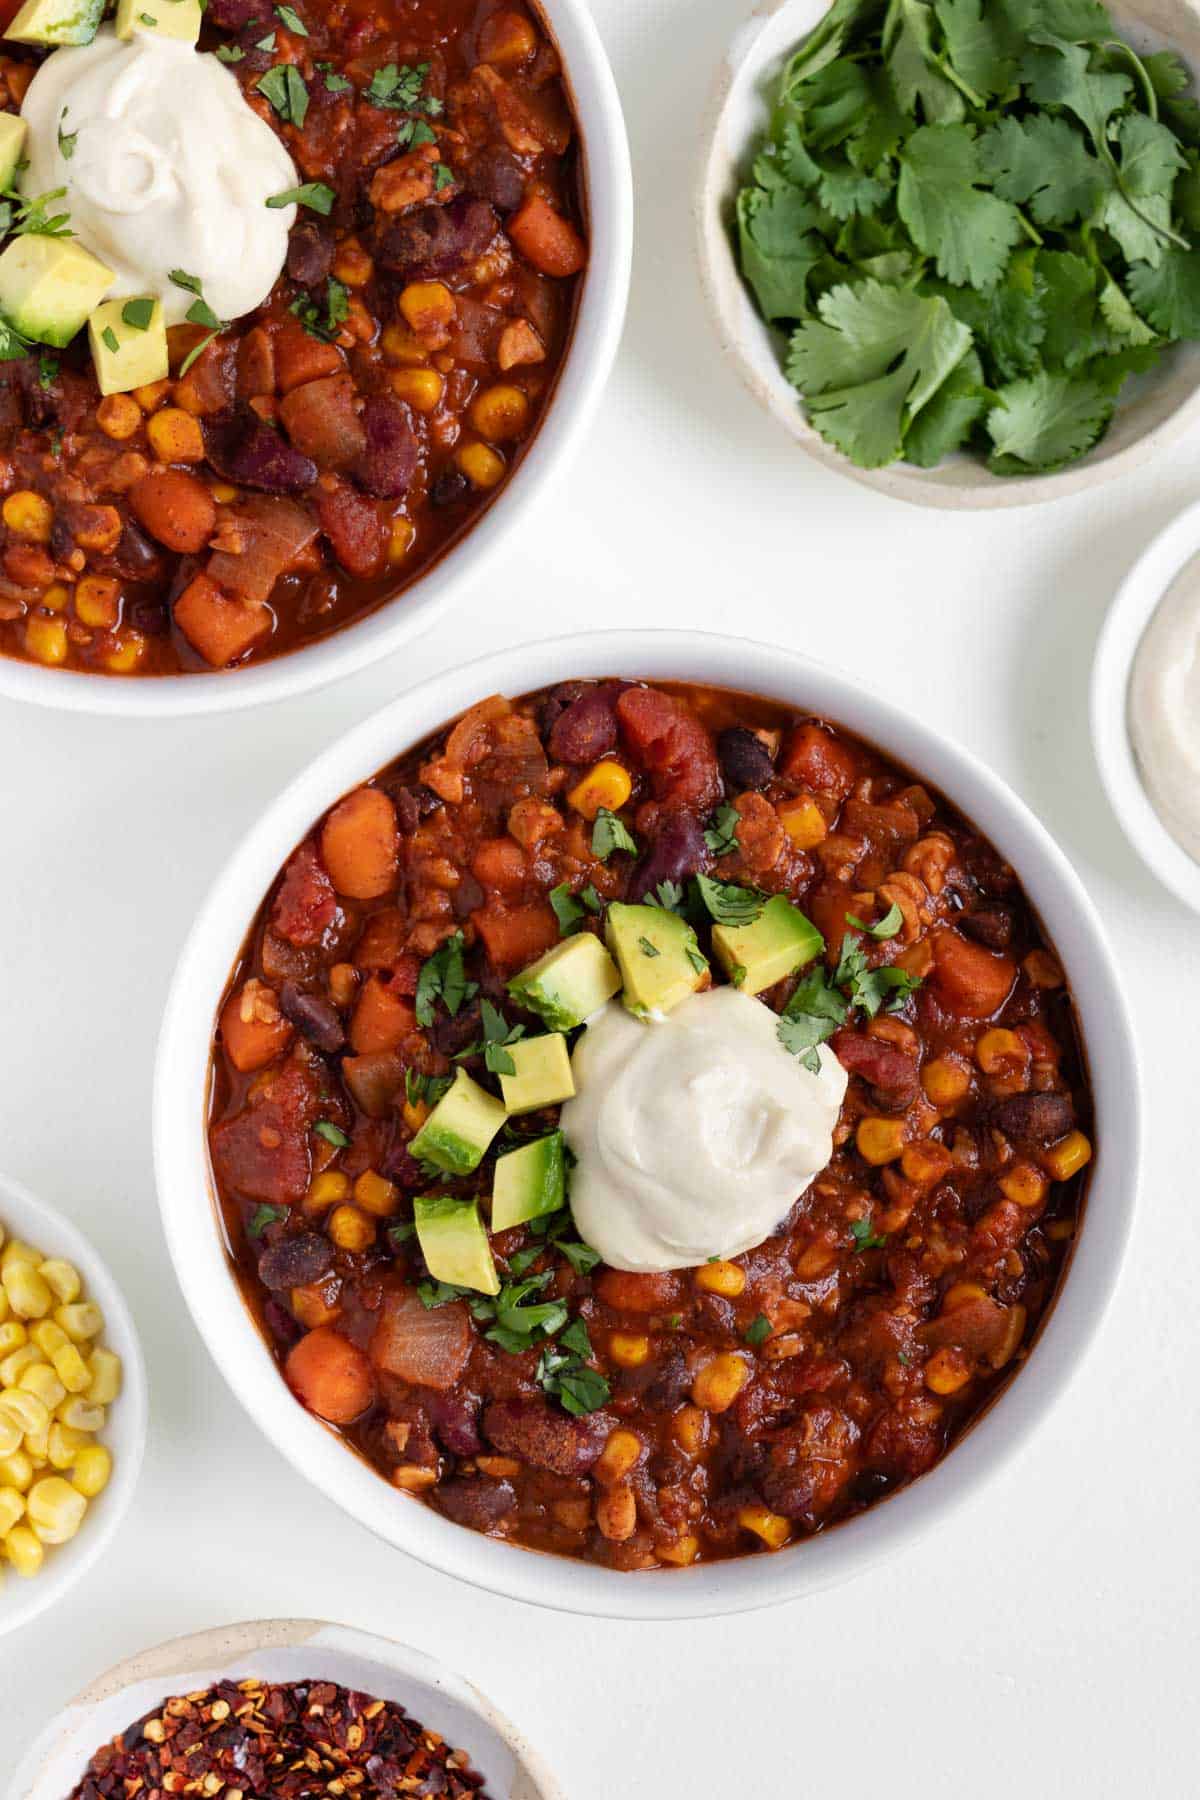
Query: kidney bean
point(449, 488)
point(249, 453)
point(309, 254)
point(231, 15)
point(678, 852)
point(891, 1072)
point(745, 760)
point(989, 925)
point(550, 1440)
point(669, 1383)
point(474, 1502)
point(1034, 1119)
point(313, 1015)
point(135, 555)
point(387, 465)
point(295, 1261)
point(496, 175)
point(432, 241)
point(455, 1422)
point(586, 729)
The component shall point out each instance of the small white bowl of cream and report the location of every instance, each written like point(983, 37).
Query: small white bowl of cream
point(1145, 706)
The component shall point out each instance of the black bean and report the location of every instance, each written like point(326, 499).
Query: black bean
point(295, 1261)
point(313, 1015)
point(991, 925)
point(449, 488)
point(1034, 1119)
point(432, 241)
point(745, 760)
point(136, 555)
point(309, 254)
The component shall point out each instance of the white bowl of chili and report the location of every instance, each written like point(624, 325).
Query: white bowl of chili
point(185, 1183)
point(123, 1433)
point(574, 393)
point(284, 1652)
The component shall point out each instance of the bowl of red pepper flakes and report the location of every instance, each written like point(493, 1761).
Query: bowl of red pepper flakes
point(288, 1708)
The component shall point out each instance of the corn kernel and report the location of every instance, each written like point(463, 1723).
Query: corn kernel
point(15, 1251)
point(413, 1477)
point(427, 305)
point(620, 1454)
point(608, 785)
point(24, 1551)
point(12, 1509)
point(804, 822)
point(945, 1081)
point(1023, 1184)
point(11, 1435)
point(37, 1448)
point(118, 416)
point(63, 1445)
point(772, 1528)
point(222, 492)
point(80, 1414)
point(30, 1413)
point(152, 394)
point(5, 1309)
point(1042, 971)
point(572, 1515)
point(98, 601)
point(717, 1385)
point(16, 1470)
point(81, 1320)
point(482, 466)
point(1067, 1157)
point(690, 1429)
point(351, 1229)
point(62, 1278)
point(124, 658)
point(946, 1372)
point(401, 540)
point(48, 1337)
point(880, 1141)
point(959, 1293)
point(71, 1369)
point(28, 516)
point(46, 639)
point(40, 1380)
point(421, 388)
point(1000, 1052)
point(175, 436)
point(683, 1551)
point(627, 1350)
point(721, 1278)
point(12, 1334)
point(352, 266)
point(105, 1384)
point(93, 1466)
point(376, 1195)
point(399, 345)
point(925, 1164)
point(310, 1306)
point(16, 1363)
point(500, 413)
point(56, 598)
point(326, 1190)
point(55, 1509)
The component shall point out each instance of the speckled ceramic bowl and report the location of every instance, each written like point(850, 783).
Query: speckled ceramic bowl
point(1155, 410)
point(284, 1650)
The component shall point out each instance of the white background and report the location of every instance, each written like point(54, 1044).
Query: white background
point(1045, 1640)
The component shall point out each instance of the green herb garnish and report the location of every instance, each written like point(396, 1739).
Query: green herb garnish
point(109, 337)
point(313, 194)
point(267, 43)
point(647, 948)
point(721, 833)
point(442, 978)
point(323, 323)
point(230, 53)
point(287, 15)
point(333, 1134)
point(565, 1375)
point(758, 1330)
point(609, 834)
point(47, 370)
point(284, 87)
point(729, 904)
point(137, 314)
point(443, 177)
point(263, 1216)
point(865, 1236)
point(67, 140)
point(334, 83)
point(399, 87)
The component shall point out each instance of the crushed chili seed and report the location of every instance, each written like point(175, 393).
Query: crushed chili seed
point(290, 1741)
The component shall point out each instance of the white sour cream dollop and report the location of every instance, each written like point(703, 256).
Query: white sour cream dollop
point(1164, 710)
point(695, 1135)
point(169, 169)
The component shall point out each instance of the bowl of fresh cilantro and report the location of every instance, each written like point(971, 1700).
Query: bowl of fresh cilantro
point(954, 245)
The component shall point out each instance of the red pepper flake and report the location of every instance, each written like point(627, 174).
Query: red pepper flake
point(255, 1740)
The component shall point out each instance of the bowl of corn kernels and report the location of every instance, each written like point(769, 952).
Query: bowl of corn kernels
point(72, 1406)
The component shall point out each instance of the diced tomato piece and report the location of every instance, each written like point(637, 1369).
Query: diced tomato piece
point(305, 905)
point(675, 747)
point(967, 979)
point(355, 530)
point(263, 1153)
point(814, 758)
point(626, 1291)
point(331, 1376)
point(515, 936)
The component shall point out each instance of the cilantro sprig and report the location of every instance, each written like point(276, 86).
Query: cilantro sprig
point(822, 1004)
point(442, 978)
point(975, 219)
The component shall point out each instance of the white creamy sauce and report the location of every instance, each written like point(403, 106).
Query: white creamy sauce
point(170, 169)
point(1164, 710)
point(694, 1135)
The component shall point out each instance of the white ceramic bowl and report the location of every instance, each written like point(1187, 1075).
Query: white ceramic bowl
point(1138, 597)
point(1153, 413)
point(185, 1188)
point(601, 314)
point(284, 1650)
point(125, 1429)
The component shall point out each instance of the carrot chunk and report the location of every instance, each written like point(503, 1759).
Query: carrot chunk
point(221, 629)
point(330, 1376)
point(546, 239)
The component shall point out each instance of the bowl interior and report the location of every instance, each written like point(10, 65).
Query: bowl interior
point(1154, 409)
point(25, 1217)
point(599, 319)
point(187, 1203)
point(285, 1650)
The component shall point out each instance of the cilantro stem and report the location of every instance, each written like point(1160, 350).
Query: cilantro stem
point(1140, 71)
point(1031, 230)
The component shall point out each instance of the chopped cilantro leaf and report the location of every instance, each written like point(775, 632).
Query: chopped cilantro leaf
point(721, 832)
point(729, 904)
point(287, 15)
point(567, 909)
point(647, 948)
point(442, 978)
point(263, 1216)
point(137, 314)
point(333, 1134)
point(313, 194)
point(609, 834)
point(284, 87)
point(108, 336)
point(864, 1235)
point(397, 86)
point(335, 83)
point(230, 53)
point(47, 370)
point(758, 1330)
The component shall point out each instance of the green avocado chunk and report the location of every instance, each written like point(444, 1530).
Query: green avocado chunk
point(13, 132)
point(454, 1243)
point(529, 1183)
point(542, 1074)
point(169, 18)
point(569, 983)
point(660, 960)
point(127, 356)
point(49, 287)
point(780, 941)
point(459, 1129)
point(56, 22)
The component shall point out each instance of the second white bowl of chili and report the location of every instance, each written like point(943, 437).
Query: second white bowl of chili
point(1059, 909)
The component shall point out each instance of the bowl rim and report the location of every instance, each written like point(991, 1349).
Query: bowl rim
point(184, 1185)
point(732, 313)
point(21, 1601)
point(227, 1646)
point(579, 388)
point(1137, 599)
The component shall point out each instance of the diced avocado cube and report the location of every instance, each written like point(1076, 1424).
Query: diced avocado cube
point(454, 1242)
point(13, 132)
point(780, 941)
point(459, 1129)
point(569, 983)
point(169, 18)
point(49, 287)
point(56, 22)
point(529, 1183)
point(542, 1075)
point(140, 356)
point(660, 961)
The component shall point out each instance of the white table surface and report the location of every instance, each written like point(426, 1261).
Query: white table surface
point(1046, 1639)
